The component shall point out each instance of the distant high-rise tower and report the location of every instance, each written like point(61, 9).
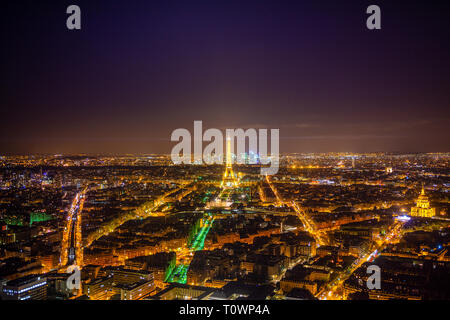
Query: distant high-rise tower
point(229, 179)
point(423, 208)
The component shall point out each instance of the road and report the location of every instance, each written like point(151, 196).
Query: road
point(71, 245)
point(307, 221)
point(334, 290)
point(144, 211)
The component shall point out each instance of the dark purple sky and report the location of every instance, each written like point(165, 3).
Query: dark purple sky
point(140, 69)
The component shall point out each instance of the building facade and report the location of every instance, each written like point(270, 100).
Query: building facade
point(423, 208)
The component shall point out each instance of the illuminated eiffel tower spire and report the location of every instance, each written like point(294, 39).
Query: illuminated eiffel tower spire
point(229, 179)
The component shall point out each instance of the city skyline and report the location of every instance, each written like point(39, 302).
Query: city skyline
point(237, 157)
point(140, 228)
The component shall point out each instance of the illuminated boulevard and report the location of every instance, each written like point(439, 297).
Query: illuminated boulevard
point(71, 245)
point(334, 290)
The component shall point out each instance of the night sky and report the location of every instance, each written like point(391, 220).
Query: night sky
point(137, 70)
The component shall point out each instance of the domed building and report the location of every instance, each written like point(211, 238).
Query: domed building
point(423, 208)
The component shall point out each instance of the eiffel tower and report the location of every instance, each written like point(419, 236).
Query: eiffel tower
point(229, 179)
